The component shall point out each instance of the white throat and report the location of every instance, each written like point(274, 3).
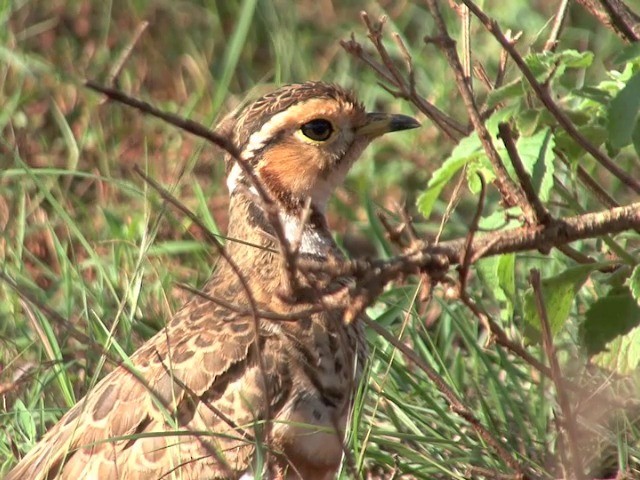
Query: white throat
point(311, 241)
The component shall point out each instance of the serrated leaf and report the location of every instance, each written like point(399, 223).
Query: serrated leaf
point(536, 153)
point(592, 93)
point(501, 219)
point(596, 134)
point(558, 293)
point(541, 64)
point(635, 138)
point(467, 149)
point(507, 274)
point(623, 113)
point(634, 283)
point(507, 283)
point(497, 276)
point(611, 331)
point(487, 269)
point(506, 92)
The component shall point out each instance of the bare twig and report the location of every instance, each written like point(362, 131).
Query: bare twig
point(268, 205)
point(389, 72)
point(295, 316)
point(436, 257)
point(182, 123)
point(467, 258)
point(509, 191)
point(535, 211)
point(465, 19)
point(232, 264)
point(28, 296)
point(587, 180)
point(558, 24)
point(615, 15)
point(125, 54)
point(561, 232)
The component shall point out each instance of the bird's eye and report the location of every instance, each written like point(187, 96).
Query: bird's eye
point(319, 129)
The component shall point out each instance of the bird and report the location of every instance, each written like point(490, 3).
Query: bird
point(227, 389)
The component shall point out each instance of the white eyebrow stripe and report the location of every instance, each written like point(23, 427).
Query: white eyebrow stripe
point(289, 117)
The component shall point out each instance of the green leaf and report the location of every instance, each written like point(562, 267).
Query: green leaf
point(628, 53)
point(622, 354)
point(467, 149)
point(507, 279)
point(506, 92)
point(635, 138)
point(596, 134)
point(527, 121)
point(536, 153)
point(542, 64)
point(623, 113)
point(575, 59)
point(501, 219)
point(558, 293)
point(25, 420)
point(480, 165)
point(634, 283)
point(598, 95)
point(498, 277)
point(611, 333)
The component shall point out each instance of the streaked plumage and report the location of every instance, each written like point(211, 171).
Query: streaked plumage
point(193, 403)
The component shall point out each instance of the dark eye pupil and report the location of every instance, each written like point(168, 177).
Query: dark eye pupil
point(317, 129)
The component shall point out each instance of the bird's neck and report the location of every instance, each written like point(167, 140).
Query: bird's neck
point(252, 234)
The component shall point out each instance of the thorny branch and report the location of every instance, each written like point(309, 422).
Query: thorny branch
point(388, 71)
point(227, 145)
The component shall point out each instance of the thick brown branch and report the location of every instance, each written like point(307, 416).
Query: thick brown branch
point(436, 258)
point(616, 16)
point(560, 232)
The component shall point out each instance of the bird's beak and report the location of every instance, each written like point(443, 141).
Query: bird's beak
point(380, 123)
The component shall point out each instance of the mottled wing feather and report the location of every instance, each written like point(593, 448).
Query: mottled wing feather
point(165, 389)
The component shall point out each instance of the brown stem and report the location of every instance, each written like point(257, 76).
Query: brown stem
point(558, 24)
point(534, 211)
point(615, 15)
point(569, 420)
point(509, 191)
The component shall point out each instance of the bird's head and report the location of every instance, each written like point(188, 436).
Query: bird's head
point(302, 139)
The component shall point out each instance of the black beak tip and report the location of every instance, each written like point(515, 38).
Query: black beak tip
point(403, 122)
